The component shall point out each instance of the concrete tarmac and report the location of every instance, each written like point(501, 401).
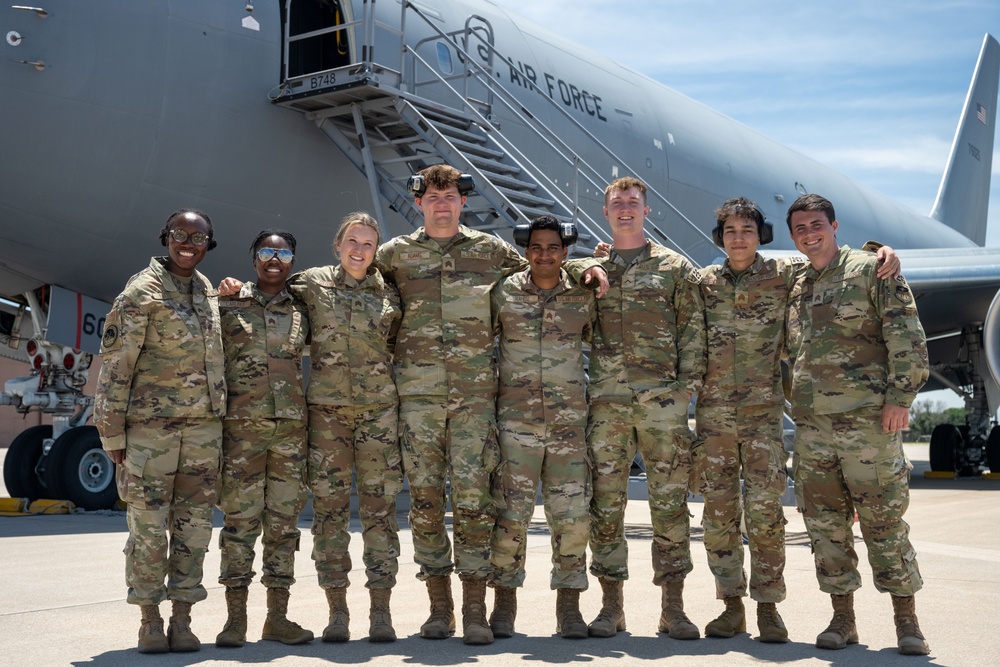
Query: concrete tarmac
point(62, 599)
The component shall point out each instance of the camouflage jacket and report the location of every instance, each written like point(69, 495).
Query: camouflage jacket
point(854, 340)
point(541, 349)
point(650, 335)
point(162, 352)
point(263, 341)
point(745, 321)
point(352, 330)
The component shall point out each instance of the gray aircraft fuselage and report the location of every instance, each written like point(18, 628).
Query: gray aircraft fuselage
point(143, 108)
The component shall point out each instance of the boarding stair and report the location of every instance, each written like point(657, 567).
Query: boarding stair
point(394, 120)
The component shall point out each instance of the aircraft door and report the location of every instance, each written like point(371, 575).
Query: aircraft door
point(313, 39)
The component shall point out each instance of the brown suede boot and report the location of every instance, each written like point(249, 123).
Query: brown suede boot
point(339, 627)
point(732, 621)
point(611, 619)
point(504, 611)
point(277, 627)
point(151, 637)
point(179, 634)
point(673, 620)
point(379, 618)
point(909, 639)
point(441, 623)
point(569, 620)
point(234, 633)
point(769, 624)
point(842, 629)
point(475, 629)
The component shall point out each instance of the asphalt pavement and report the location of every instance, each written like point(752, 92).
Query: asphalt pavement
point(62, 599)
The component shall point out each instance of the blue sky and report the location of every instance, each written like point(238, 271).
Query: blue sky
point(872, 89)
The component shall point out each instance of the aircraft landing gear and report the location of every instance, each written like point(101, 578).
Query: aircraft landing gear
point(78, 470)
point(20, 469)
point(954, 449)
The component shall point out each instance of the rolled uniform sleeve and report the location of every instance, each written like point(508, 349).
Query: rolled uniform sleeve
point(123, 339)
point(908, 366)
point(692, 348)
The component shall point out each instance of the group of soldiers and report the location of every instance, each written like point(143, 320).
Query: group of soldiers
point(404, 380)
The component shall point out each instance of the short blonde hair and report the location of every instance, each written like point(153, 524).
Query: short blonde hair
point(625, 183)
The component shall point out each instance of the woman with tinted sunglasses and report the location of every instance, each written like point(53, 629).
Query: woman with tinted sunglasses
point(160, 400)
point(264, 330)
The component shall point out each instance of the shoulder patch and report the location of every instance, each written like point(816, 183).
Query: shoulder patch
point(110, 335)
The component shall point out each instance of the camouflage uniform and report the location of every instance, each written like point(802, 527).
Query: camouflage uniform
point(855, 343)
point(447, 389)
point(264, 435)
point(648, 358)
point(542, 415)
point(739, 415)
point(161, 396)
point(352, 420)
point(445, 377)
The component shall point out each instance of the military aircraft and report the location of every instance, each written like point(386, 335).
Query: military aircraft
point(291, 113)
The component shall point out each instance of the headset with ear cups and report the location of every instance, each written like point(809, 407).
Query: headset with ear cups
point(416, 186)
point(765, 230)
point(567, 232)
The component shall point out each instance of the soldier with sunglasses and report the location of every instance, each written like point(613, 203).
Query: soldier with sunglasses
point(264, 332)
point(161, 397)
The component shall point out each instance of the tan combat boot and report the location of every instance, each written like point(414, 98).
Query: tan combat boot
point(441, 623)
point(769, 624)
point(504, 611)
point(842, 629)
point(277, 627)
point(339, 628)
point(475, 629)
point(234, 633)
point(611, 619)
point(151, 637)
point(909, 639)
point(179, 634)
point(569, 620)
point(673, 620)
point(379, 618)
point(732, 621)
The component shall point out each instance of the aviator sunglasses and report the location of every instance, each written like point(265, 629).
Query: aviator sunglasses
point(283, 255)
point(180, 236)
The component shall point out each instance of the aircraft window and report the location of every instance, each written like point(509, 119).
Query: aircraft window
point(444, 58)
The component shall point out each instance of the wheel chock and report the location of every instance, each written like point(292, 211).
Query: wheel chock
point(938, 474)
point(992, 476)
point(13, 506)
point(48, 506)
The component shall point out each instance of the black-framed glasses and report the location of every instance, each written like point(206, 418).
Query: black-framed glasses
point(284, 255)
point(180, 236)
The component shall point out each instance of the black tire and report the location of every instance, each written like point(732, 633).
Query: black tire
point(19, 474)
point(993, 450)
point(946, 439)
point(78, 470)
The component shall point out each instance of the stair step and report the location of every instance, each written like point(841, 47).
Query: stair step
point(517, 196)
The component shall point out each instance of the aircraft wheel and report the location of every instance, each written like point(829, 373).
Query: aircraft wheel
point(78, 470)
point(19, 474)
point(993, 450)
point(946, 439)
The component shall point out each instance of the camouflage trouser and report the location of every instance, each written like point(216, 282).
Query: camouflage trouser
point(659, 428)
point(172, 476)
point(361, 439)
point(263, 489)
point(456, 440)
point(557, 455)
point(844, 464)
point(732, 440)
